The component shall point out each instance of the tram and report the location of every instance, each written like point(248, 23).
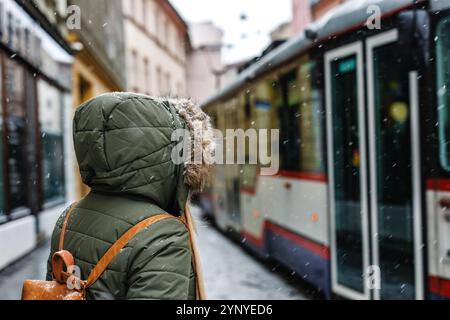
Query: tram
point(360, 206)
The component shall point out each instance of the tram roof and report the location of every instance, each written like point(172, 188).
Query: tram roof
point(341, 18)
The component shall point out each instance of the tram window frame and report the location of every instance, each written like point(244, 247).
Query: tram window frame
point(296, 93)
point(313, 96)
point(264, 116)
point(265, 105)
point(247, 106)
point(442, 90)
point(289, 151)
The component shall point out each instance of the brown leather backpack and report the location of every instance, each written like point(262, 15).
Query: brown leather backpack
point(67, 286)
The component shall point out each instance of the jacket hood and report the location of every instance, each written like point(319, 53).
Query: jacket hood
point(123, 144)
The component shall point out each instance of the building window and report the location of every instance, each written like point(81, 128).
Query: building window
point(27, 40)
point(179, 89)
point(10, 29)
point(168, 86)
point(84, 89)
point(36, 49)
point(18, 46)
point(32, 170)
point(147, 75)
point(157, 20)
point(134, 68)
point(159, 80)
point(169, 40)
point(16, 134)
point(51, 102)
point(132, 6)
point(144, 13)
point(179, 45)
point(162, 36)
point(166, 27)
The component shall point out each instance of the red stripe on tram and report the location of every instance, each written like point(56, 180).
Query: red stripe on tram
point(439, 286)
point(317, 248)
point(311, 176)
point(438, 184)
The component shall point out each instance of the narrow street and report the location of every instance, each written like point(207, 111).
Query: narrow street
point(33, 266)
point(230, 272)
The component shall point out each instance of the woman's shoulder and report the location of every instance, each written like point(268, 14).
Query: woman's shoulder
point(122, 209)
point(104, 219)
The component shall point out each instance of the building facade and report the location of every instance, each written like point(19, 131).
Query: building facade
point(100, 55)
point(35, 104)
point(204, 69)
point(283, 32)
point(301, 14)
point(320, 7)
point(306, 11)
point(156, 43)
point(98, 44)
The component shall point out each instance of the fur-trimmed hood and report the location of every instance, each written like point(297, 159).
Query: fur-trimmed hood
point(202, 137)
point(123, 143)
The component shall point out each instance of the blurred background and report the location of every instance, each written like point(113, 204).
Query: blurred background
point(357, 88)
point(56, 54)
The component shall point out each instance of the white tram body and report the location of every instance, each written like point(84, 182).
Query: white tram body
point(363, 189)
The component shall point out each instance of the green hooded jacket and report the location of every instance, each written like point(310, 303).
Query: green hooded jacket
point(123, 143)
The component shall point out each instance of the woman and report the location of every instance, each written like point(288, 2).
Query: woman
point(124, 143)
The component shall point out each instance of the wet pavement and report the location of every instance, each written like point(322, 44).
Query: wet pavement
point(33, 266)
point(233, 273)
point(230, 271)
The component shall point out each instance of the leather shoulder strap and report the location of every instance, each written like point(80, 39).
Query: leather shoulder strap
point(199, 282)
point(106, 259)
point(64, 227)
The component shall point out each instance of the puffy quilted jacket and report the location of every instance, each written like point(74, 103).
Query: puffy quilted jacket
point(123, 147)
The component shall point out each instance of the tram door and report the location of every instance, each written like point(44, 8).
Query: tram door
point(347, 170)
point(373, 147)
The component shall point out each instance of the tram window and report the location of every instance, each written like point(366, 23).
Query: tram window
point(301, 117)
point(443, 93)
point(248, 176)
point(264, 115)
point(289, 128)
point(264, 102)
point(310, 118)
point(220, 118)
point(247, 107)
point(393, 174)
point(213, 116)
